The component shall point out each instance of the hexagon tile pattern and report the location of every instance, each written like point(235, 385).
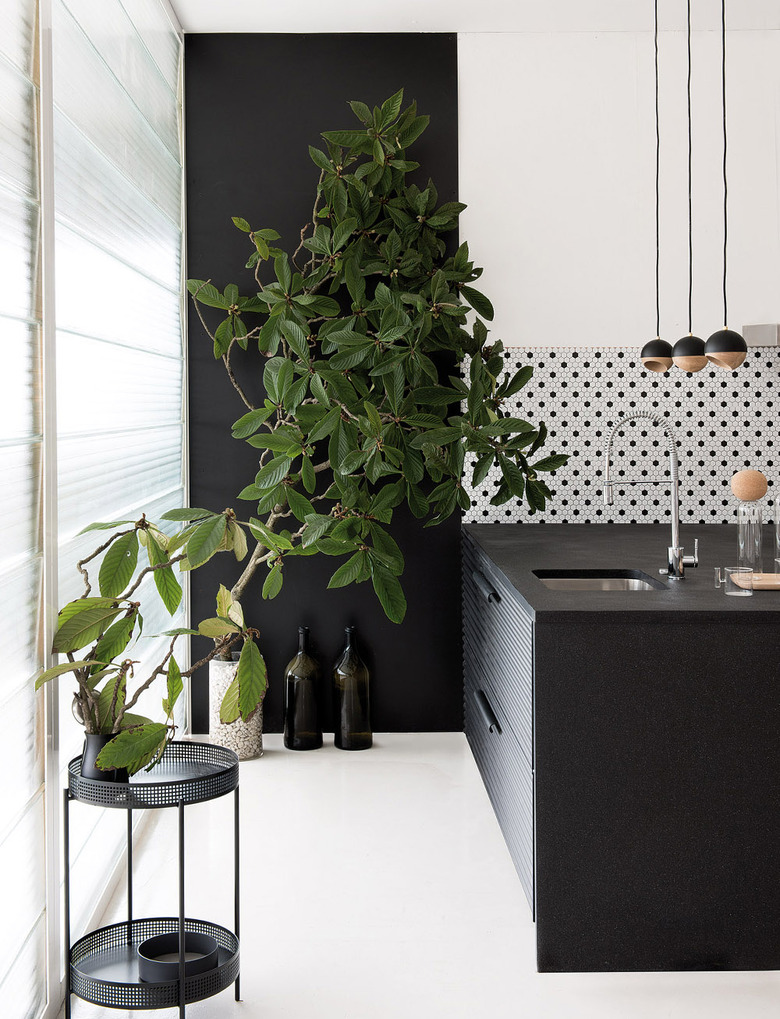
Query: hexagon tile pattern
point(723, 422)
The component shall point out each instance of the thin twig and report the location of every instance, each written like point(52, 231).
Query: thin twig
point(151, 569)
point(231, 375)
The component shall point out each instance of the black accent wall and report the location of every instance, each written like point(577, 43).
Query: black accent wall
point(253, 105)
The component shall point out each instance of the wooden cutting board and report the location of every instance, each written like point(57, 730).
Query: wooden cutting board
point(761, 581)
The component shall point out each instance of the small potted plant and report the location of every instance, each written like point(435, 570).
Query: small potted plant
point(97, 634)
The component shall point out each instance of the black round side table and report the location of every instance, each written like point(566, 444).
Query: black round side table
point(103, 965)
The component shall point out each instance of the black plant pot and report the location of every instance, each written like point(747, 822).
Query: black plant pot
point(93, 744)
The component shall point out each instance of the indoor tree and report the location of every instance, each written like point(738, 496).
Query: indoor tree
point(378, 374)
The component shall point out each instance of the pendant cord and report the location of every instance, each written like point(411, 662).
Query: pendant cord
point(725, 180)
point(657, 179)
point(690, 197)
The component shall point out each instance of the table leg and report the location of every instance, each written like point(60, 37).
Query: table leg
point(66, 840)
point(181, 910)
point(129, 876)
point(236, 885)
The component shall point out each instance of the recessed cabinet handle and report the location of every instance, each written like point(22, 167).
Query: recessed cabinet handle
point(487, 712)
point(489, 594)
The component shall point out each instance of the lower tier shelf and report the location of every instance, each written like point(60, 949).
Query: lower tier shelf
point(104, 965)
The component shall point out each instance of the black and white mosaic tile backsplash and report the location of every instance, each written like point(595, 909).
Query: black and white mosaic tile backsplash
point(723, 422)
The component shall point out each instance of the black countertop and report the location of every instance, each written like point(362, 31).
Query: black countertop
point(517, 549)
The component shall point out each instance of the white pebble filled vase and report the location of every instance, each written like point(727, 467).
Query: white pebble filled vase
point(245, 738)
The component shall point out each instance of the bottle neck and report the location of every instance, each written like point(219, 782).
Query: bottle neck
point(349, 638)
point(303, 639)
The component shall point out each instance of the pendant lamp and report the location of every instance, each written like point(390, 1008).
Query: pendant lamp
point(688, 353)
point(725, 348)
point(656, 355)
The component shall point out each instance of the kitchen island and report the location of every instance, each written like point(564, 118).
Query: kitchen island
point(630, 743)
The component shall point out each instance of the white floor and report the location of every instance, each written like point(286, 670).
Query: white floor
point(376, 885)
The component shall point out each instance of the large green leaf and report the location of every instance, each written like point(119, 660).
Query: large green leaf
point(250, 422)
point(116, 638)
point(207, 294)
point(60, 670)
point(349, 571)
point(105, 526)
point(134, 748)
point(316, 526)
point(550, 463)
point(206, 540)
point(273, 472)
point(217, 627)
point(112, 694)
point(118, 565)
point(389, 592)
point(168, 587)
point(252, 679)
point(87, 623)
point(228, 709)
point(187, 514)
point(273, 582)
point(175, 686)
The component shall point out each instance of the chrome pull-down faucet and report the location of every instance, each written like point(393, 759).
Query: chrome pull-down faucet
point(676, 558)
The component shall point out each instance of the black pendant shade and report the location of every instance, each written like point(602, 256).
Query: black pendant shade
point(726, 349)
point(657, 355)
point(688, 354)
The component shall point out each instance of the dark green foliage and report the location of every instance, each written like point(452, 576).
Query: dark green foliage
point(354, 332)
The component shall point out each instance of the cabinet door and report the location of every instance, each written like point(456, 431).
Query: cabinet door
point(507, 776)
point(498, 638)
point(498, 698)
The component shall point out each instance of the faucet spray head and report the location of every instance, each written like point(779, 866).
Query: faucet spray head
point(607, 492)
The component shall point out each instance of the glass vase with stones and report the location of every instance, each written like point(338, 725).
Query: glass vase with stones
point(352, 710)
point(302, 726)
point(245, 738)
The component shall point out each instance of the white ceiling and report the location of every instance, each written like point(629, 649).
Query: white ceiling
point(466, 15)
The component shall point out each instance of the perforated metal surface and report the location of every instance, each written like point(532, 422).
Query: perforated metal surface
point(104, 965)
point(188, 773)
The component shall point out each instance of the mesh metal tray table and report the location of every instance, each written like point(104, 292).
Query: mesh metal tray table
point(102, 965)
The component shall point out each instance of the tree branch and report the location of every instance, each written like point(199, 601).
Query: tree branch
point(234, 381)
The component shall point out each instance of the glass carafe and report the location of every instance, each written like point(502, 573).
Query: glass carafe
point(750, 519)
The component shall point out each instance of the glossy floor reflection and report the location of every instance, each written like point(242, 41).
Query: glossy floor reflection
point(376, 885)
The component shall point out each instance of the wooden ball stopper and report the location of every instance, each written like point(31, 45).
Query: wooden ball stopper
point(748, 486)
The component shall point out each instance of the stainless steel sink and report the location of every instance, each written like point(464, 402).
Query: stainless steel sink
point(598, 580)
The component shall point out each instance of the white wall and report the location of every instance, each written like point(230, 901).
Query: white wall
point(557, 164)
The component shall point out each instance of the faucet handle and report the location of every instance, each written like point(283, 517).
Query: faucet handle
point(693, 560)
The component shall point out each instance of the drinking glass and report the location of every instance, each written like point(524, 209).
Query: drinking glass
point(736, 580)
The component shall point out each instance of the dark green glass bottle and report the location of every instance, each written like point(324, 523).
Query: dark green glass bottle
point(352, 721)
point(302, 727)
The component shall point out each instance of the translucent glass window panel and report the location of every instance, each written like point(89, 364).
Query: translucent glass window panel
point(19, 380)
point(155, 28)
point(23, 745)
point(128, 388)
point(109, 471)
point(22, 990)
point(20, 471)
point(18, 123)
point(18, 256)
point(123, 305)
point(97, 838)
point(87, 93)
point(21, 855)
point(112, 34)
point(17, 28)
point(20, 579)
point(117, 216)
